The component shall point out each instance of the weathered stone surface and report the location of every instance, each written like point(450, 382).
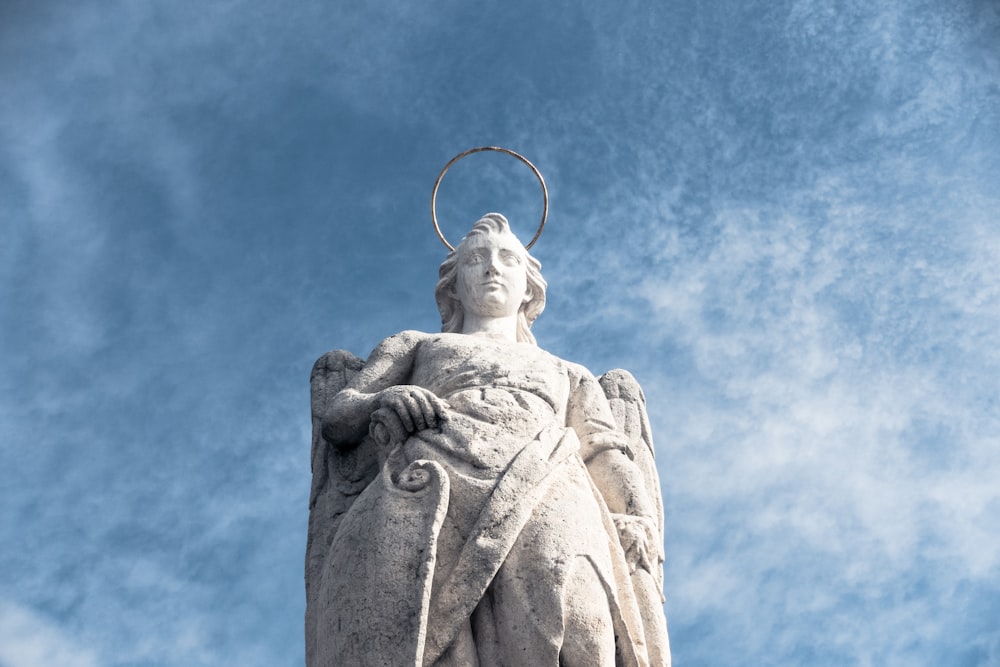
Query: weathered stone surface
point(477, 500)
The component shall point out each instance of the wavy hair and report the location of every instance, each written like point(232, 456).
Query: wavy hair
point(452, 315)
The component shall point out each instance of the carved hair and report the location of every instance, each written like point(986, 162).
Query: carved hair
point(452, 315)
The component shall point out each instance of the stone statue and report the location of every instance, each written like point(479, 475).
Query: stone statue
point(477, 500)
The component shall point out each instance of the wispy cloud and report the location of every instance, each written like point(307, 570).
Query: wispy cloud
point(29, 640)
point(781, 218)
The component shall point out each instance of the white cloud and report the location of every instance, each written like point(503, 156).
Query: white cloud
point(806, 289)
point(27, 639)
point(830, 448)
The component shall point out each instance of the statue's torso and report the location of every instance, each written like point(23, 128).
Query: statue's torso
point(499, 394)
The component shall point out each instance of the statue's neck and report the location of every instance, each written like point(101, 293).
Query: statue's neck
point(504, 328)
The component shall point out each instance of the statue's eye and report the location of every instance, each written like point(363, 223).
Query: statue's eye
point(510, 259)
point(474, 258)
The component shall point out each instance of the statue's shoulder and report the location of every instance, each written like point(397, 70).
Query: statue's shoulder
point(412, 334)
point(578, 373)
point(409, 336)
point(401, 343)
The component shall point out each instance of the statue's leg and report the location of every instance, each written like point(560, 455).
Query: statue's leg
point(462, 652)
point(589, 637)
point(548, 605)
point(524, 617)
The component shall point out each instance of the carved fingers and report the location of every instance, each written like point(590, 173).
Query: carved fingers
point(638, 536)
point(406, 409)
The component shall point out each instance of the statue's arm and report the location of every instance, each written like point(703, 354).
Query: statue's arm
point(611, 465)
point(605, 450)
point(382, 384)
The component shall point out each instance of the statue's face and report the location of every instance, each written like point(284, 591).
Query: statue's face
point(492, 275)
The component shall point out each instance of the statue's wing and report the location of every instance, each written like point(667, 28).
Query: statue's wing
point(339, 474)
point(628, 404)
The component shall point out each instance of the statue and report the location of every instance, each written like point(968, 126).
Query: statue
point(477, 500)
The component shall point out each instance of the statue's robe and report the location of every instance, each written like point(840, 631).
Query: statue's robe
point(476, 539)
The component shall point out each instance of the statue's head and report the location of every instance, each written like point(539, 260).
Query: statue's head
point(454, 296)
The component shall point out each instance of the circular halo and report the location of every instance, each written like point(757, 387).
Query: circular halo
point(498, 149)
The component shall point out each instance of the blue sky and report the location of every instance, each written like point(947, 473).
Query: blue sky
point(781, 216)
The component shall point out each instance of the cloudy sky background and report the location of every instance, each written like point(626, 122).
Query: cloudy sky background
point(782, 216)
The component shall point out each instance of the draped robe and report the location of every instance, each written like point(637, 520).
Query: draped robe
point(479, 540)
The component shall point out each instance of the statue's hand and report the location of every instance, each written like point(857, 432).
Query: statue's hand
point(403, 410)
point(638, 536)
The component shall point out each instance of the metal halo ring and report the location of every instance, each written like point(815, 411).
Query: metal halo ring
point(498, 149)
